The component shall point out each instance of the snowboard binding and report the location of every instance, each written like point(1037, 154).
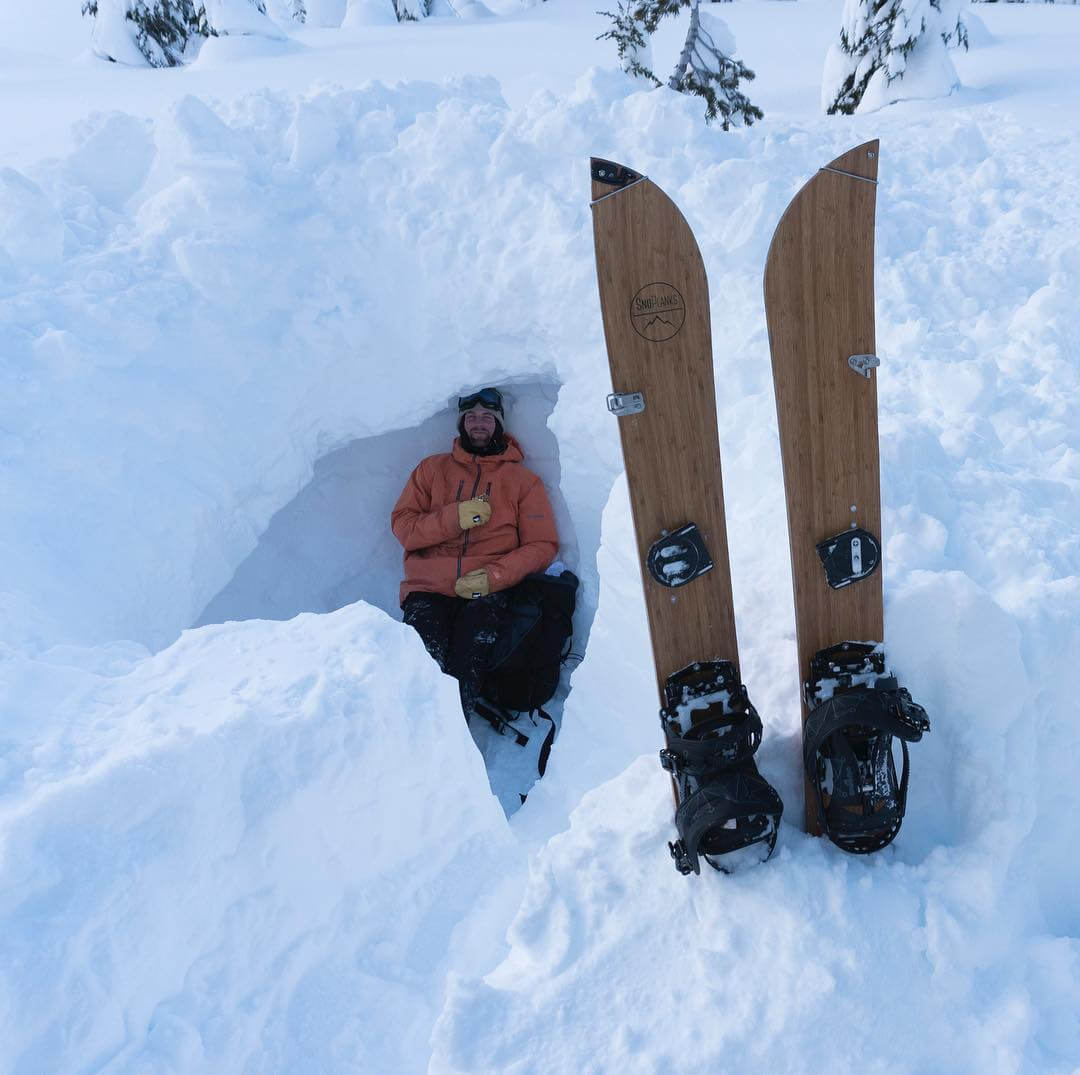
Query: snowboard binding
point(712, 731)
point(856, 711)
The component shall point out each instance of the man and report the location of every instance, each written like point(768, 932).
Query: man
point(473, 523)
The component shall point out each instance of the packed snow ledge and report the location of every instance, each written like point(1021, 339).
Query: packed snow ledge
point(270, 845)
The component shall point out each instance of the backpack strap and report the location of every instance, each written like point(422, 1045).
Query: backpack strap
point(499, 719)
point(545, 746)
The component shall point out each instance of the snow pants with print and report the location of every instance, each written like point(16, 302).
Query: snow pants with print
point(461, 635)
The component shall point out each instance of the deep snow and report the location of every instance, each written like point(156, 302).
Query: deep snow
point(233, 296)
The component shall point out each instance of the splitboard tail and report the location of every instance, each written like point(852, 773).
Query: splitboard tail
point(819, 305)
point(654, 299)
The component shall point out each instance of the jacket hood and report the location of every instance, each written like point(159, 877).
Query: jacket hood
point(512, 454)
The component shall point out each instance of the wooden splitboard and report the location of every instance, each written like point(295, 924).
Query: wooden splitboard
point(819, 304)
point(655, 302)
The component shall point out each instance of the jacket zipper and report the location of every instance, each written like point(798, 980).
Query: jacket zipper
point(465, 543)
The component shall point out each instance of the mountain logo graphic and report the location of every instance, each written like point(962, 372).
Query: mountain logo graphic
point(657, 312)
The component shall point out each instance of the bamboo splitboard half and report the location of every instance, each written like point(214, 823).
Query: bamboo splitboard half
point(655, 302)
point(819, 303)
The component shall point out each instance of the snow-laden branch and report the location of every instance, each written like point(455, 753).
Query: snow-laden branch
point(705, 66)
point(706, 70)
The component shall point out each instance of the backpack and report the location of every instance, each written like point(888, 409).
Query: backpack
point(525, 667)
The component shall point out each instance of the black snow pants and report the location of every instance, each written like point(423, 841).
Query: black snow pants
point(461, 635)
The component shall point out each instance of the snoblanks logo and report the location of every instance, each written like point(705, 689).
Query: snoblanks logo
point(657, 312)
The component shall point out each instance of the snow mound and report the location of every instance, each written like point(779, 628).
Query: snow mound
point(325, 875)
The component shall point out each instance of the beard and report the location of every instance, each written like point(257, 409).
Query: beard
point(495, 444)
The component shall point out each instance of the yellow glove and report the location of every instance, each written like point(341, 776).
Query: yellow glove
point(473, 584)
point(472, 513)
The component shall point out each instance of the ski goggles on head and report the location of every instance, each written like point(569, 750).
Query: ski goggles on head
point(486, 397)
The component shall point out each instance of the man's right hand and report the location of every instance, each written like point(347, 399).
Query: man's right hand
point(473, 513)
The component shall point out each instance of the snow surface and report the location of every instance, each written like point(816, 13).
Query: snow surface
point(232, 295)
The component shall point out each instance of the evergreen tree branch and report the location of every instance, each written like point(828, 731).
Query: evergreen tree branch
point(704, 70)
point(629, 34)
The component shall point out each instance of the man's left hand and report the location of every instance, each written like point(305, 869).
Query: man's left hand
point(473, 584)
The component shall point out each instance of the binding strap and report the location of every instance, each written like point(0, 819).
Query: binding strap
point(733, 809)
point(724, 803)
point(849, 738)
point(717, 743)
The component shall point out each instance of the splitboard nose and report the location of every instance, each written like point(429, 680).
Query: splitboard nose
point(819, 307)
point(654, 301)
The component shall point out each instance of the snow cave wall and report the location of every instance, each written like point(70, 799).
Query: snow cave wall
point(212, 305)
point(332, 544)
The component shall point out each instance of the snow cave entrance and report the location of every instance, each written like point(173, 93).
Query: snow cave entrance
point(332, 545)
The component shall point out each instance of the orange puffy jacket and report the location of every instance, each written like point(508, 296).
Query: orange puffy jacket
point(519, 538)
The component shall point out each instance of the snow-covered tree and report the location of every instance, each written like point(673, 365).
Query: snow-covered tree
point(891, 49)
point(412, 10)
point(285, 11)
point(240, 18)
point(953, 23)
point(167, 33)
point(705, 66)
point(374, 12)
point(157, 32)
point(632, 41)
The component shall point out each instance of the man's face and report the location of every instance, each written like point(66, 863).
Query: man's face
point(480, 425)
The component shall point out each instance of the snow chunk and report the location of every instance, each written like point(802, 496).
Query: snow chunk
point(31, 228)
point(113, 158)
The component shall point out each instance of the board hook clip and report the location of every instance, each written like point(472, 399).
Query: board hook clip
point(863, 364)
point(623, 403)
